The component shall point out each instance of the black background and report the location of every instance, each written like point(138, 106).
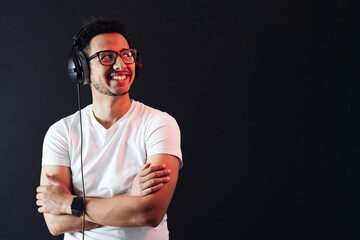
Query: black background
point(266, 94)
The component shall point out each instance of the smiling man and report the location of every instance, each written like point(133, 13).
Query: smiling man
point(131, 152)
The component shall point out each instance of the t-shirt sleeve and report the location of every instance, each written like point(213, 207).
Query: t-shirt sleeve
point(55, 146)
point(163, 136)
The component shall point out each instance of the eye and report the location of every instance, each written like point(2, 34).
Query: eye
point(106, 57)
point(127, 54)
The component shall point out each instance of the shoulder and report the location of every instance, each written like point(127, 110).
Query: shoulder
point(156, 122)
point(63, 126)
point(152, 115)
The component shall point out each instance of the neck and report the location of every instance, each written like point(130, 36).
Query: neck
point(109, 110)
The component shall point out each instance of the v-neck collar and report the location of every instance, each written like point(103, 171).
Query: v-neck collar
point(116, 124)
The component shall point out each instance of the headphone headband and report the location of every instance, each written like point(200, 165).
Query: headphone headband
point(76, 39)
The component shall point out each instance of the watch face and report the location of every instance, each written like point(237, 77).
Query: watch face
point(77, 206)
point(77, 203)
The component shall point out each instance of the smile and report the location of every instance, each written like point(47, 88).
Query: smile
point(119, 77)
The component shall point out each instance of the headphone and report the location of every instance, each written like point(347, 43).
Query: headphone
point(78, 65)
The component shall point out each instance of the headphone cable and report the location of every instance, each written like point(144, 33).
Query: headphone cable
point(81, 158)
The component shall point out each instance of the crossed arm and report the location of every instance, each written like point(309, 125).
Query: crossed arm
point(144, 205)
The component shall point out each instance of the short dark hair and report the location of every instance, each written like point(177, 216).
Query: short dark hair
point(95, 26)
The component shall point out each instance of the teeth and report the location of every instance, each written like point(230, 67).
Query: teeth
point(119, 77)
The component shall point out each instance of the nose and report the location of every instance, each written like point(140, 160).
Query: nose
point(119, 64)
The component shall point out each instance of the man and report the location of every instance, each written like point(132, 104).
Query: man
point(131, 152)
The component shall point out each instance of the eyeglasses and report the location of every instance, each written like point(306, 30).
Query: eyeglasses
point(109, 57)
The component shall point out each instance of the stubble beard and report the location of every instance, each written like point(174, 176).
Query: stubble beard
point(107, 92)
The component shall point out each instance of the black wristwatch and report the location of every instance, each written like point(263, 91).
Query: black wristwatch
point(77, 206)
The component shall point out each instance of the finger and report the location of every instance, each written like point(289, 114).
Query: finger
point(39, 189)
point(152, 189)
point(52, 179)
point(146, 166)
point(41, 210)
point(39, 203)
point(158, 167)
point(154, 182)
point(152, 169)
point(156, 174)
point(39, 196)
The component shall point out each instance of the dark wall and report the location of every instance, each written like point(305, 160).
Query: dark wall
point(266, 94)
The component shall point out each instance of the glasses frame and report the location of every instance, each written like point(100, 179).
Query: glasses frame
point(97, 54)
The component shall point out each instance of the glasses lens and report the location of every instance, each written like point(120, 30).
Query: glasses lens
point(107, 58)
point(128, 56)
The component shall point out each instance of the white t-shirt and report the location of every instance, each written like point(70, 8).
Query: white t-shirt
point(112, 157)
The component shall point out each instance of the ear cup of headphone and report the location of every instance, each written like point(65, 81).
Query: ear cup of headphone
point(78, 67)
point(85, 67)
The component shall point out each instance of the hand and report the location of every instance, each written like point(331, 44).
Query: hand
point(54, 198)
point(149, 179)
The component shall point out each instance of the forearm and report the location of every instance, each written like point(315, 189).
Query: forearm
point(133, 211)
point(123, 211)
point(59, 224)
point(145, 207)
